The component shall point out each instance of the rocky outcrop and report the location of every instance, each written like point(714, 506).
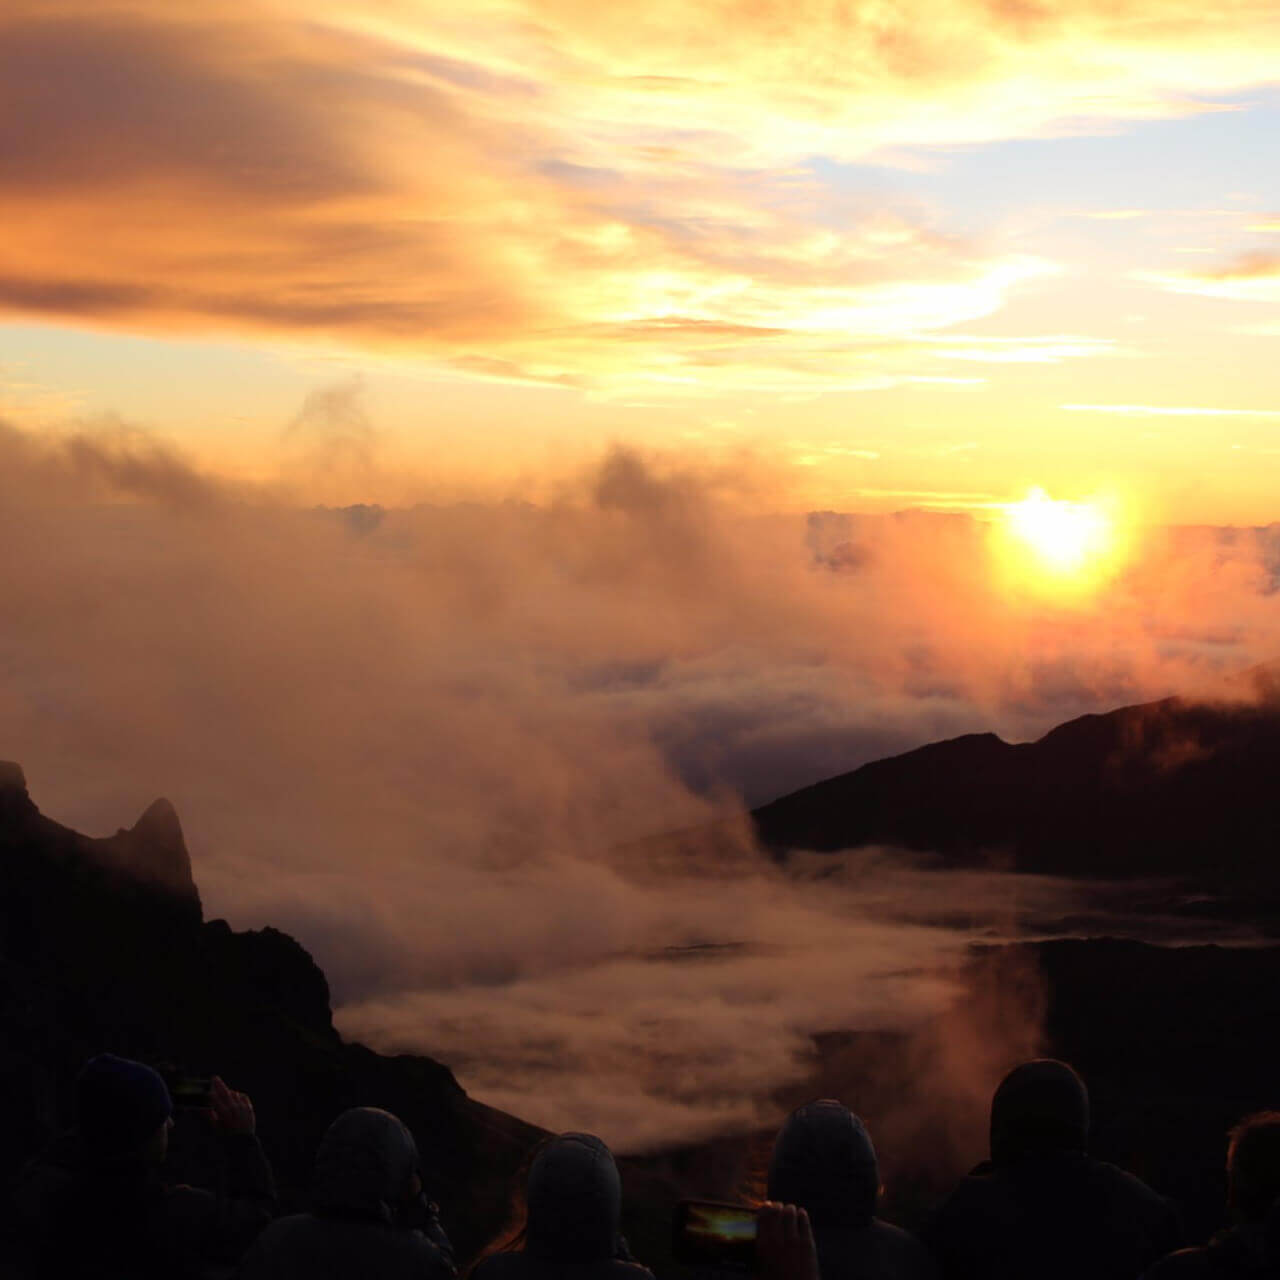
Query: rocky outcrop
point(154, 850)
point(103, 946)
point(1166, 788)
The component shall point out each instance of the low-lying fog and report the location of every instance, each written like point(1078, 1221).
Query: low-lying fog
point(431, 743)
point(683, 1005)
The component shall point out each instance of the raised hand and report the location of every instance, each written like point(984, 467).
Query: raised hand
point(784, 1244)
point(232, 1111)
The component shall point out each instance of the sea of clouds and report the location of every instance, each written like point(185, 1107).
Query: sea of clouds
point(435, 744)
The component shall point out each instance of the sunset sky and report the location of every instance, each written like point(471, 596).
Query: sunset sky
point(650, 324)
point(926, 253)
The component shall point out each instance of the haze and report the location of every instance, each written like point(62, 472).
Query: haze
point(426, 741)
point(442, 448)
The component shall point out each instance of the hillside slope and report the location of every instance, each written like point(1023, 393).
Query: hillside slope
point(1168, 787)
point(103, 946)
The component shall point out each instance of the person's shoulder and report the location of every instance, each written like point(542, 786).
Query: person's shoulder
point(398, 1251)
point(277, 1247)
point(1186, 1264)
point(895, 1237)
point(981, 1203)
point(504, 1265)
point(289, 1224)
point(909, 1255)
point(43, 1178)
point(1123, 1183)
point(623, 1269)
point(516, 1265)
point(981, 1185)
point(277, 1234)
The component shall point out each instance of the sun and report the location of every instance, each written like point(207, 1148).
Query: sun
point(1062, 538)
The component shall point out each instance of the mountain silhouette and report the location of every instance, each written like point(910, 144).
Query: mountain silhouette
point(104, 947)
point(1170, 788)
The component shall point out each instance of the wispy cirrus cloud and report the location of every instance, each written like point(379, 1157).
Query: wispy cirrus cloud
point(1030, 349)
point(1252, 276)
point(550, 191)
point(1169, 411)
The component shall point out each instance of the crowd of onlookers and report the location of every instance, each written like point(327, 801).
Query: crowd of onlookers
point(97, 1204)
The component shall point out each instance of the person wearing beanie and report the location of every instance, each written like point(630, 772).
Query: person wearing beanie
point(369, 1216)
point(99, 1202)
point(1250, 1247)
point(573, 1202)
point(1041, 1205)
point(123, 1110)
point(823, 1162)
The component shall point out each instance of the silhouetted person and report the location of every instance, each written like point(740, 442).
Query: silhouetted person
point(1041, 1206)
point(369, 1215)
point(574, 1206)
point(1249, 1247)
point(98, 1204)
point(824, 1163)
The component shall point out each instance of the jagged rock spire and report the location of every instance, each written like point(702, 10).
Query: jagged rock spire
point(154, 849)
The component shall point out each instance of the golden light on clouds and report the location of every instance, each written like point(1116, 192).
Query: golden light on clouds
point(556, 191)
point(1057, 546)
point(812, 219)
point(601, 409)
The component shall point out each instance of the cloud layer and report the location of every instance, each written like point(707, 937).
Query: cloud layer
point(437, 743)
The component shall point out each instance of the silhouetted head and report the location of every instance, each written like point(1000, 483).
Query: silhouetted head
point(574, 1200)
point(366, 1167)
point(824, 1162)
point(1040, 1106)
point(123, 1110)
point(1253, 1166)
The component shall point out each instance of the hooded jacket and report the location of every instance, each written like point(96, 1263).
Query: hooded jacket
point(824, 1162)
point(78, 1213)
point(367, 1220)
point(574, 1203)
point(1043, 1207)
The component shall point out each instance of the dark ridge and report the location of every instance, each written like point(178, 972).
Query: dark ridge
point(1168, 787)
point(103, 946)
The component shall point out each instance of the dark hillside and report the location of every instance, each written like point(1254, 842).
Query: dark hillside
point(103, 946)
point(1168, 788)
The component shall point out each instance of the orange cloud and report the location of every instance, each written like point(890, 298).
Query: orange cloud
point(614, 197)
point(1253, 276)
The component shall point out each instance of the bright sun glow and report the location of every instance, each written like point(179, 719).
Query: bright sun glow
point(1063, 537)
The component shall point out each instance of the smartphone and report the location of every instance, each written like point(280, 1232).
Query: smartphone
point(708, 1234)
point(189, 1092)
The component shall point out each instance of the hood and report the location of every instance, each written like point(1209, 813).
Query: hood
point(1040, 1106)
point(824, 1162)
point(365, 1165)
point(574, 1200)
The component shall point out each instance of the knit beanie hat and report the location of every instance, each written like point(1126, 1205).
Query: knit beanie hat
point(119, 1104)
